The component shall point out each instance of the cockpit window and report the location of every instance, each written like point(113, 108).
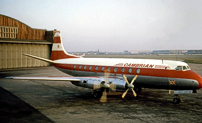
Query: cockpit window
point(182, 68)
point(186, 68)
point(178, 68)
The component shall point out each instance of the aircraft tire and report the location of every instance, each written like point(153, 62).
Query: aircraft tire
point(176, 100)
point(97, 94)
point(138, 90)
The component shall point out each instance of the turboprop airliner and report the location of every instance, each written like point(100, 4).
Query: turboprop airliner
point(105, 74)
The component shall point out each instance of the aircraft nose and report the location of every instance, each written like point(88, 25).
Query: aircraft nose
point(200, 82)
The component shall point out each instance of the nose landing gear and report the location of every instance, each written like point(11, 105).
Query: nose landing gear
point(176, 100)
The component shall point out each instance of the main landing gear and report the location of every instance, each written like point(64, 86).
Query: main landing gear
point(176, 100)
point(138, 90)
point(97, 94)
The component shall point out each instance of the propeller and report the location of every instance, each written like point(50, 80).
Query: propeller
point(106, 85)
point(130, 86)
point(96, 85)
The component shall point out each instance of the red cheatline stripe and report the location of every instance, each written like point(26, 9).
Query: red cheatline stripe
point(143, 71)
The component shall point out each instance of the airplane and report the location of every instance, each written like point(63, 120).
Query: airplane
point(111, 74)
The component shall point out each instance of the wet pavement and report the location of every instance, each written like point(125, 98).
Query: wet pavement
point(58, 101)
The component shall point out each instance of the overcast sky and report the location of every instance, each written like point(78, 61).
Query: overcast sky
point(114, 25)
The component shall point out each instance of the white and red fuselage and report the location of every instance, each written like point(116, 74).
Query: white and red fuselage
point(160, 74)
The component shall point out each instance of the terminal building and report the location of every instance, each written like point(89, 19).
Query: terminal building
point(177, 52)
point(17, 38)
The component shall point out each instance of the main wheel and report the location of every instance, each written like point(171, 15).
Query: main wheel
point(176, 100)
point(138, 90)
point(97, 94)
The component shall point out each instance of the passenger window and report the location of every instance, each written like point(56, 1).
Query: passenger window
point(96, 68)
point(90, 68)
point(79, 67)
point(129, 70)
point(108, 69)
point(84, 67)
point(103, 68)
point(122, 70)
point(74, 66)
point(115, 69)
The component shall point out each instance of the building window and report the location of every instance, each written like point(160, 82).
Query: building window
point(16, 29)
point(7, 35)
point(8, 32)
point(12, 35)
point(3, 29)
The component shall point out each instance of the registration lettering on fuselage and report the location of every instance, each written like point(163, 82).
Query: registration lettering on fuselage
point(135, 65)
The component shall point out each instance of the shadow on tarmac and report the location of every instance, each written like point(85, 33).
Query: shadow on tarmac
point(13, 109)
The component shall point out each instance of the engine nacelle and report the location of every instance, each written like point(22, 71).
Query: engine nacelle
point(91, 82)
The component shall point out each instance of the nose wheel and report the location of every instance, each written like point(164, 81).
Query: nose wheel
point(176, 100)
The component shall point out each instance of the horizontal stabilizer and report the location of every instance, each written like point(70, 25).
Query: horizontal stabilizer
point(40, 58)
point(47, 78)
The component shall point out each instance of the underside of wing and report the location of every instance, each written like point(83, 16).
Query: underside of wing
point(47, 78)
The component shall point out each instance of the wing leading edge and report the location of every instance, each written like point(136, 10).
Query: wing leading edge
point(47, 78)
point(40, 58)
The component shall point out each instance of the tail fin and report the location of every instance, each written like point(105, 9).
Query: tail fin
point(58, 51)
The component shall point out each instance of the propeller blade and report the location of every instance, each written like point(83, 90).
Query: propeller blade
point(104, 96)
point(133, 79)
point(106, 76)
point(125, 79)
point(96, 85)
point(113, 87)
point(134, 92)
point(124, 94)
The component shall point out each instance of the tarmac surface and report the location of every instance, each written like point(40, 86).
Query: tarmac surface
point(62, 102)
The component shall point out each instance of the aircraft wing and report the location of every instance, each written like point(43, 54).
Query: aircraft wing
point(47, 78)
point(40, 58)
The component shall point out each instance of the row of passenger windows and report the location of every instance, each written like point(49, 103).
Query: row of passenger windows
point(103, 68)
